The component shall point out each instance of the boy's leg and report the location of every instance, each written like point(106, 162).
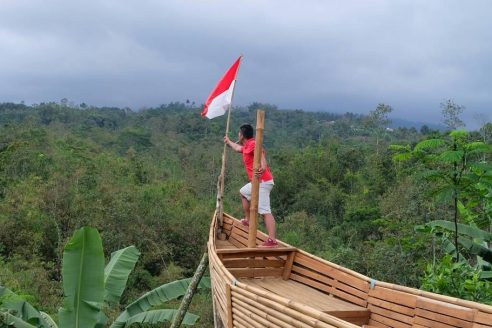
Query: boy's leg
point(270, 225)
point(245, 207)
point(245, 197)
point(265, 210)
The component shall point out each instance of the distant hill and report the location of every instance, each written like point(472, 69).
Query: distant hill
point(402, 123)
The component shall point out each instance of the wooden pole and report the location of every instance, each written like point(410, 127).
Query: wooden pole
point(185, 303)
point(221, 183)
point(255, 184)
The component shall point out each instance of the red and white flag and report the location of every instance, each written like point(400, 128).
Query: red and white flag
point(221, 98)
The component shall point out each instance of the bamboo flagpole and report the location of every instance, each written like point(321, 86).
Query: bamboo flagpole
point(220, 192)
point(221, 184)
point(255, 184)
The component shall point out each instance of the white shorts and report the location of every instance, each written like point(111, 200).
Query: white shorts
point(264, 199)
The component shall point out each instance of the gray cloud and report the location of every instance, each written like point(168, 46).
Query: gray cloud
point(315, 55)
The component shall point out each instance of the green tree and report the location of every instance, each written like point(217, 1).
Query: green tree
point(449, 164)
point(377, 120)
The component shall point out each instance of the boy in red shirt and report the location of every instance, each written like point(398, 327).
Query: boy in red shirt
point(246, 146)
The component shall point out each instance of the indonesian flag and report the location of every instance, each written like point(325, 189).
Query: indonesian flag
point(221, 98)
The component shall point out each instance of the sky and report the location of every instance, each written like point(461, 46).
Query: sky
point(334, 56)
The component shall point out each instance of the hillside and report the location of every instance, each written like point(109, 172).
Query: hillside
point(148, 178)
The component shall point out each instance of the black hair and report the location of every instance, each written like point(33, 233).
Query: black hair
point(247, 131)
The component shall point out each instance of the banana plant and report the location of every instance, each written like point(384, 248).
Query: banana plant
point(90, 288)
point(473, 240)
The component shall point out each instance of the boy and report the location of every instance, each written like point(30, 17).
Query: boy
point(246, 146)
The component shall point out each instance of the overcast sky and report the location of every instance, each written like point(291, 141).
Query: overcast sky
point(314, 55)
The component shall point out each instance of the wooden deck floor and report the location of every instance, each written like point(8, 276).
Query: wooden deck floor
point(306, 295)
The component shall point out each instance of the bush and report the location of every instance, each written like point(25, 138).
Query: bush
point(457, 279)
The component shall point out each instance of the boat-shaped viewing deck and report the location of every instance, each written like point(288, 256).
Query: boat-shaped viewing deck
point(287, 287)
point(299, 292)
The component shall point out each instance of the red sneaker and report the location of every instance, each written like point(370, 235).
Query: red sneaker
point(270, 243)
point(244, 222)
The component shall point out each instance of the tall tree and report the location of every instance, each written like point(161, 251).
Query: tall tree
point(377, 120)
point(451, 114)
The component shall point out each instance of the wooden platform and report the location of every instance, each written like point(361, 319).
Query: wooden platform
point(306, 295)
point(287, 287)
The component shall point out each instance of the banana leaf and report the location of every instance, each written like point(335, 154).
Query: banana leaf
point(486, 275)
point(49, 320)
point(21, 308)
point(157, 297)
point(463, 229)
point(9, 320)
point(83, 279)
point(117, 271)
point(158, 316)
point(476, 249)
point(25, 311)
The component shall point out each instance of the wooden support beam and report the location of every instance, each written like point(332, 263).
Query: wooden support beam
point(260, 251)
point(255, 184)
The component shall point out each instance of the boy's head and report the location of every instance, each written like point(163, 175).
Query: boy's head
point(246, 132)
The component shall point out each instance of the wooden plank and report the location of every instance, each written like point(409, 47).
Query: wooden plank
point(220, 308)
point(445, 308)
point(239, 238)
point(392, 306)
point(245, 234)
point(275, 316)
point(430, 323)
point(238, 312)
point(350, 290)
point(311, 283)
point(233, 241)
point(373, 323)
point(228, 219)
point(261, 251)
point(253, 263)
point(220, 244)
point(329, 290)
point(317, 300)
point(394, 296)
point(253, 310)
point(288, 265)
point(256, 272)
point(479, 325)
point(388, 321)
point(452, 321)
point(268, 255)
point(313, 275)
point(482, 317)
point(330, 283)
point(349, 297)
point(390, 314)
point(229, 306)
point(331, 272)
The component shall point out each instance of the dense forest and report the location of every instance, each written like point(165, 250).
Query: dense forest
point(408, 206)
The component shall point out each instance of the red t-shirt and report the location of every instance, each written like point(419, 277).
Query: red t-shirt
point(248, 159)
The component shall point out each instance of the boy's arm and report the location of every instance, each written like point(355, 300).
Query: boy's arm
point(263, 164)
point(233, 145)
